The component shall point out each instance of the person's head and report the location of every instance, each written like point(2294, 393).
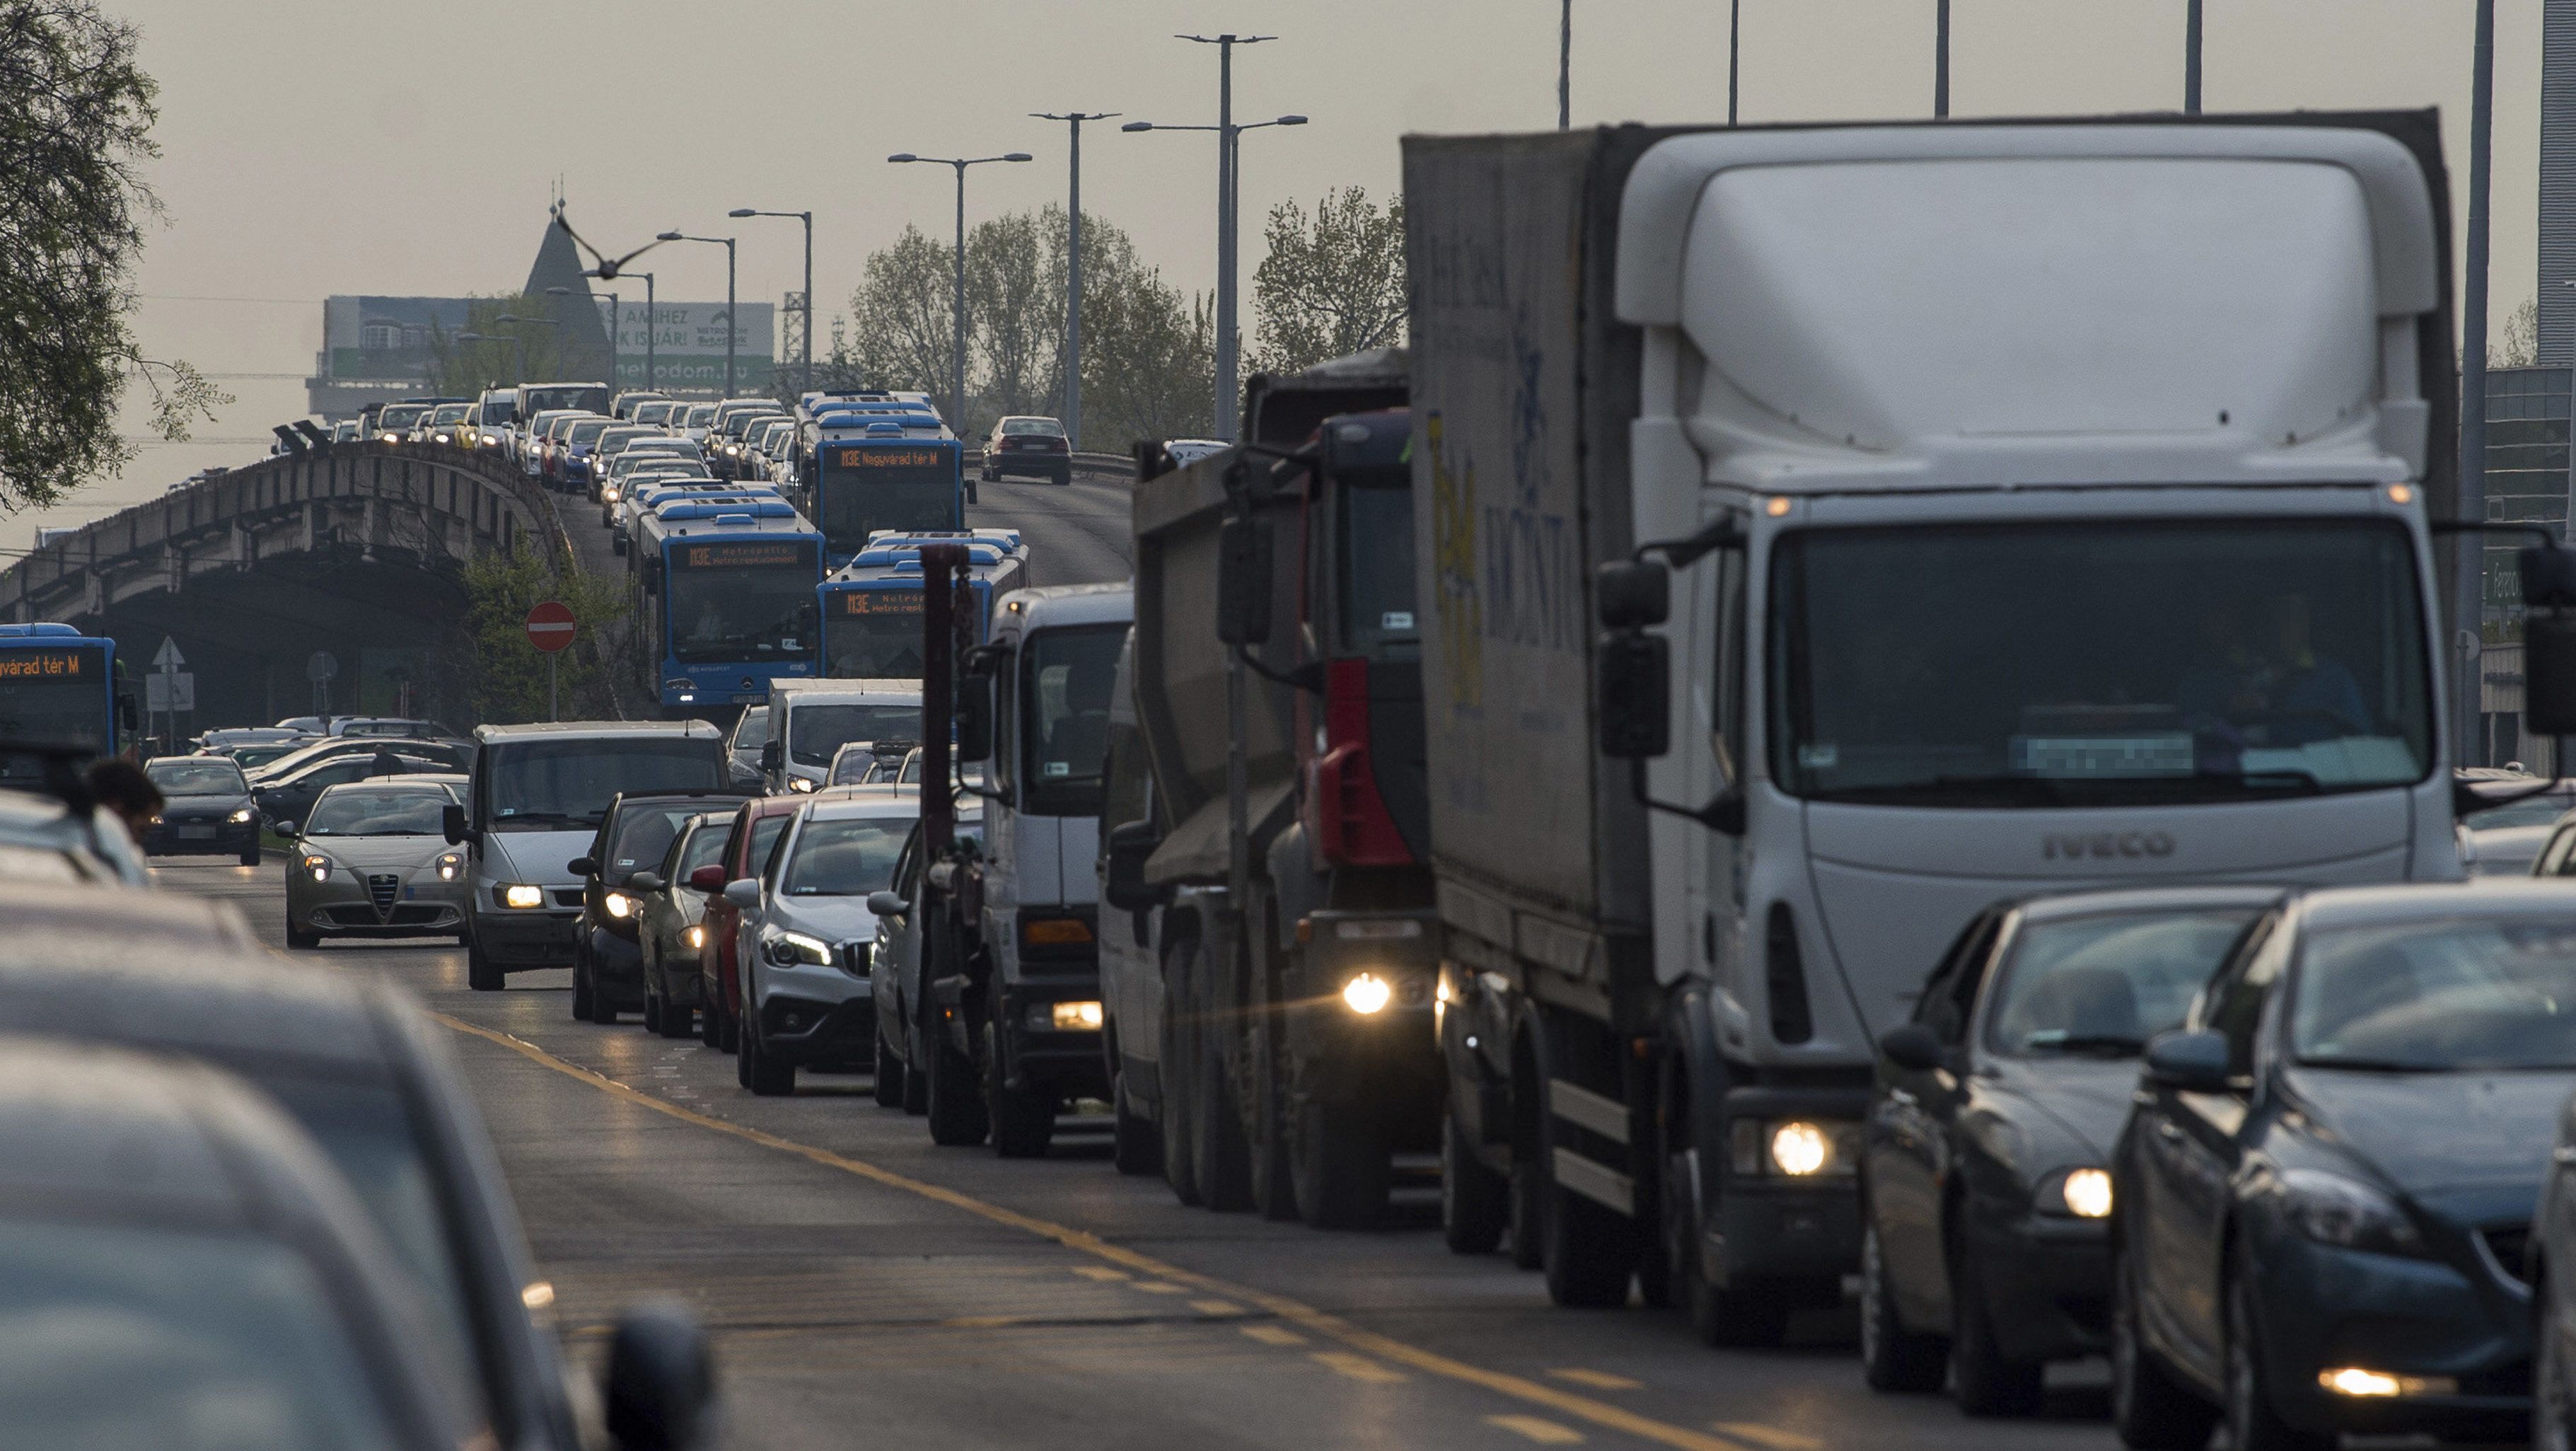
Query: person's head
point(122, 787)
point(2290, 622)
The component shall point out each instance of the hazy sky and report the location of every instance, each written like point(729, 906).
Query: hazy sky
point(322, 146)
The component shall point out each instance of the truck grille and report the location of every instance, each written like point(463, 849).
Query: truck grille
point(382, 889)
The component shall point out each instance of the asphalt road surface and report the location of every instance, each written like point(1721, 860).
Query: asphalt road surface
point(868, 1289)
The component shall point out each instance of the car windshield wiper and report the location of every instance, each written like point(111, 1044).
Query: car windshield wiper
point(2118, 1045)
point(522, 818)
point(2378, 1065)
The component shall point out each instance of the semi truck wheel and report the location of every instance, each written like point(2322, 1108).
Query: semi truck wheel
point(956, 1107)
point(1023, 1119)
point(1274, 1188)
point(1224, 1161)
point(1180, 1165)
point(1475, 1202)
point(1135, 1144)
point(1341, 1164)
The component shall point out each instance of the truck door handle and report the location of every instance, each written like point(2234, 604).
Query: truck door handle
point(2563, 1154)
point(1901, 1096)
point(2166, 1130)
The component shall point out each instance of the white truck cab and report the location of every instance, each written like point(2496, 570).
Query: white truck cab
point(809, 720)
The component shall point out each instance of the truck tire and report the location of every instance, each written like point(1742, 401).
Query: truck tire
point(1588, 1251)
point(480, 974)
point(1180, 1166)
point(1275, 1191)
point(1224, 1160)
point(1135, 1144)
point(1023, 1120)
point(1342, 1165)
point(1475, 1202)
point(956, 1107)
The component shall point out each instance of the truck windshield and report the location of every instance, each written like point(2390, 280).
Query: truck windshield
point(1064, 694)
point(750, 602)
point(587, 400)
point(873, 634)
point(566, 784)
point(54, 696)
point(815, 732)
point(860, 490)
point(2097, 664)
point(1376, 564)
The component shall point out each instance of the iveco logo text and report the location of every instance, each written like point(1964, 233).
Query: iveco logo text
point(2106, 844)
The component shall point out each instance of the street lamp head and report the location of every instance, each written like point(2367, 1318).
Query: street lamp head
point(512, 317)
point(1019, 156)
point(742, 212)
point(668, 237)
point(903, 156)
point(1137, 126)
point(558, 292)
point(1292, 120)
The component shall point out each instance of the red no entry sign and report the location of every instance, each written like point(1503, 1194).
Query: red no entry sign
point(550, 626)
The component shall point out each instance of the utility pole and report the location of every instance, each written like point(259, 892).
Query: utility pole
point(2191, 58)
point(652, 330)
point(1734, 48)
point(1228, 340)
point(1941, 60)
point(1565, 66)
point(805, 302)
point(731, 327)
point(2471, 586)
point(1073, 272)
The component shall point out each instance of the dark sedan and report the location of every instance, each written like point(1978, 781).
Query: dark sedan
point(608, 952)
point(2326, 1190)
point(1987, 1192)
point(287, 800)
point(206, 809)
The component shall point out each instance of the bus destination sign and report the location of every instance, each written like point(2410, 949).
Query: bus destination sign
point(48, 664)
point(881, 602)
point(723, 556)
point(855, 457)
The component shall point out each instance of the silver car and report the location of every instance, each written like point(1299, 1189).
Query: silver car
point(373, 860)
point(805, 937)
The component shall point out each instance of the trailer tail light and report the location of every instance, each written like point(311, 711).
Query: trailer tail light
point(1346, 817)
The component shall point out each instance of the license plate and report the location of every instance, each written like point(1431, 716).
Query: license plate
point(196, 833)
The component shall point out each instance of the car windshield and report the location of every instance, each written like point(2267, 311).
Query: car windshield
point(652, 412)
point(566, 784)
point(499, 410)
point(815, 732)
point(855, 765)
point(700, 415)
point(450, 413)
point(1032, 425)
point(2097, 664)
point(196, 776)
point(2458, 994)
point(643, 837)
point(2104, 984)
point(846, 858)
point(2540, 810)
point(586, 431)
point(378, 811)
point(752, 731)
point(1065, 681)
point(703, 848)
point(148, 1334)
point(399, 415)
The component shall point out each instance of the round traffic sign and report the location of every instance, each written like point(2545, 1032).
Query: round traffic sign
point(550, 626)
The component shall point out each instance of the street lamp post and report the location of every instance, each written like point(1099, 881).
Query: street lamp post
point(957, 395)
point(2191, 58)
point(807, 307)
point(1565, 66)
point(652, 325)
point(1073, 274)
point(1229, 136)
point(1941, 60)
point(730, 326)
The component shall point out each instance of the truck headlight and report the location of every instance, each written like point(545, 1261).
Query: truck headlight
point(799, 783)
point(241, 817)
point(619, 905)
point(451, 866)
point(1795, 1148)
point(522, 896)
point(1064, 1017)
point(1799, 1149)
point(318, 866)
point(1366, 994)
point(795, 949)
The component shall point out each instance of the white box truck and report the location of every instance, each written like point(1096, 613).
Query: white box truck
point(1976, 509)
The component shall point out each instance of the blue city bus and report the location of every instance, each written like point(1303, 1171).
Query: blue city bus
point(872, 605)
point(58, 691)
point(728, 595)
point(865, 467)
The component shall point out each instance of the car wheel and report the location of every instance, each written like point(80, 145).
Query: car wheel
point(603, 1008)
point(889, 1075)
point(916, 1083)
point(250, 857)
point(301, 939)
point(2150, 1409)
point(2254, 1422)
point(957, 1116)
point(2553, 1395)
point(1023, 1119)
point(767, 1074)
point(1475, 1202)
point(480, 974)
point(1135, 1145)
point(580, 988)
point(652, 1007)
point(1892, 1358)
point(742, 1064)
point(1989, 1383)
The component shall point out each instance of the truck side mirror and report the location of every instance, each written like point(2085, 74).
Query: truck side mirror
point(1243, 582)
point(1632, 692)
point(1130, 843)
point(652, 576)
point(771, 756)
point(1631, 594)
point(974, 717)
point(127, 716)
point(2549, 674)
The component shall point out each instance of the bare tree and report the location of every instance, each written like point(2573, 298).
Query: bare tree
point(2518, 346)
point(1331, 285)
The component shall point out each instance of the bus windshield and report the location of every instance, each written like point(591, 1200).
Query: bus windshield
point(873, 634)
point(750, 601)
point(55, 696)
point(2097, 664)
point(865, 489)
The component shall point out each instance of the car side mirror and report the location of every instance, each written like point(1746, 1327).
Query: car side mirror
point(1912, 1047)
point(1243, 565)
point(1632, 694)
point(1130, 844)
point(743, 893)
point(2188, 1062)
point(582, 866)
point(647, 882)
point(661, 1380)
point(451, 824)
point(707, 879)
point(887, 904)
point(288, 829)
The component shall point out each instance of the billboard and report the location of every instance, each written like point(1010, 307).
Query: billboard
point(687, 345)
point(388, 339)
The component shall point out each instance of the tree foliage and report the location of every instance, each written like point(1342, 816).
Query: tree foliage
point(504, 675)
point(1147, 351)
point(462, 369)
point(2518, 346)
point(1332, 284)
point(76, 117)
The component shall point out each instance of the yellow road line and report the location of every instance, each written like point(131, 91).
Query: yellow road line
point(1156, 1287)
point(1216, 1307)
point(1771, 1437)
point(1102, 1273)
point(1546, 1433)
point(1359, 1367)
point(1274, 1334)
point(1320, 1322)
point(1599, 1380)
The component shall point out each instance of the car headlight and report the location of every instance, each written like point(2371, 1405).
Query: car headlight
point(451, 866)
point(608, 493)
point(440, 438)
point(791, 949)
point(241, 816)
point(1795, 1148)
point(2084, 1193)
point(799, 783)
point(696, 936)
point(390, 437)
point(318, 866)
point(2332, 1209)
point(619, 905)
point(1366, 994)
point(522, 896)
